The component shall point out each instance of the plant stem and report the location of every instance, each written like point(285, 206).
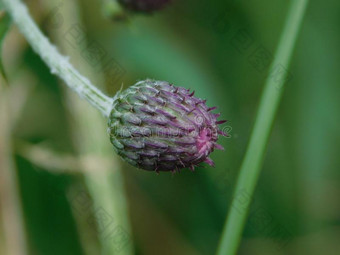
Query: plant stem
point(11, 213)
point(105, 182)
point(269, 103)
point(113, 9)
point(58, 64)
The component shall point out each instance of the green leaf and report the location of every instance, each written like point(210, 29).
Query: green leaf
point(5, 22)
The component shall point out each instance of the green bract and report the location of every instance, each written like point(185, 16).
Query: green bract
point(156, 126)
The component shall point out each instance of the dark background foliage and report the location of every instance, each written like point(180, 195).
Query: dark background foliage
point(220, 49)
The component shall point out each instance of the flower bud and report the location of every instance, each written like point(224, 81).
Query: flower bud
point(156, 126)
point(144, 5)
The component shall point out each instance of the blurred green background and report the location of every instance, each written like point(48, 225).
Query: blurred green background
point(220, 49)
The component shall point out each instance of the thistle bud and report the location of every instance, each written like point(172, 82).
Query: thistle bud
point(156, 126)
point(144, 5)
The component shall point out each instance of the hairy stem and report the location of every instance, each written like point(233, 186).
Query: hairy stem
point(58, 64)
point(269, 103)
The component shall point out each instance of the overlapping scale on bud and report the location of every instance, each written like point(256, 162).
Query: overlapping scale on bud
point(144, 5)
point(159, 127)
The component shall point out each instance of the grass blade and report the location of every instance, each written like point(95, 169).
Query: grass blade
point(254, 156)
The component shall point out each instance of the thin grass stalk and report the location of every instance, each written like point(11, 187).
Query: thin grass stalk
point(10, 201)
point(253, 160)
